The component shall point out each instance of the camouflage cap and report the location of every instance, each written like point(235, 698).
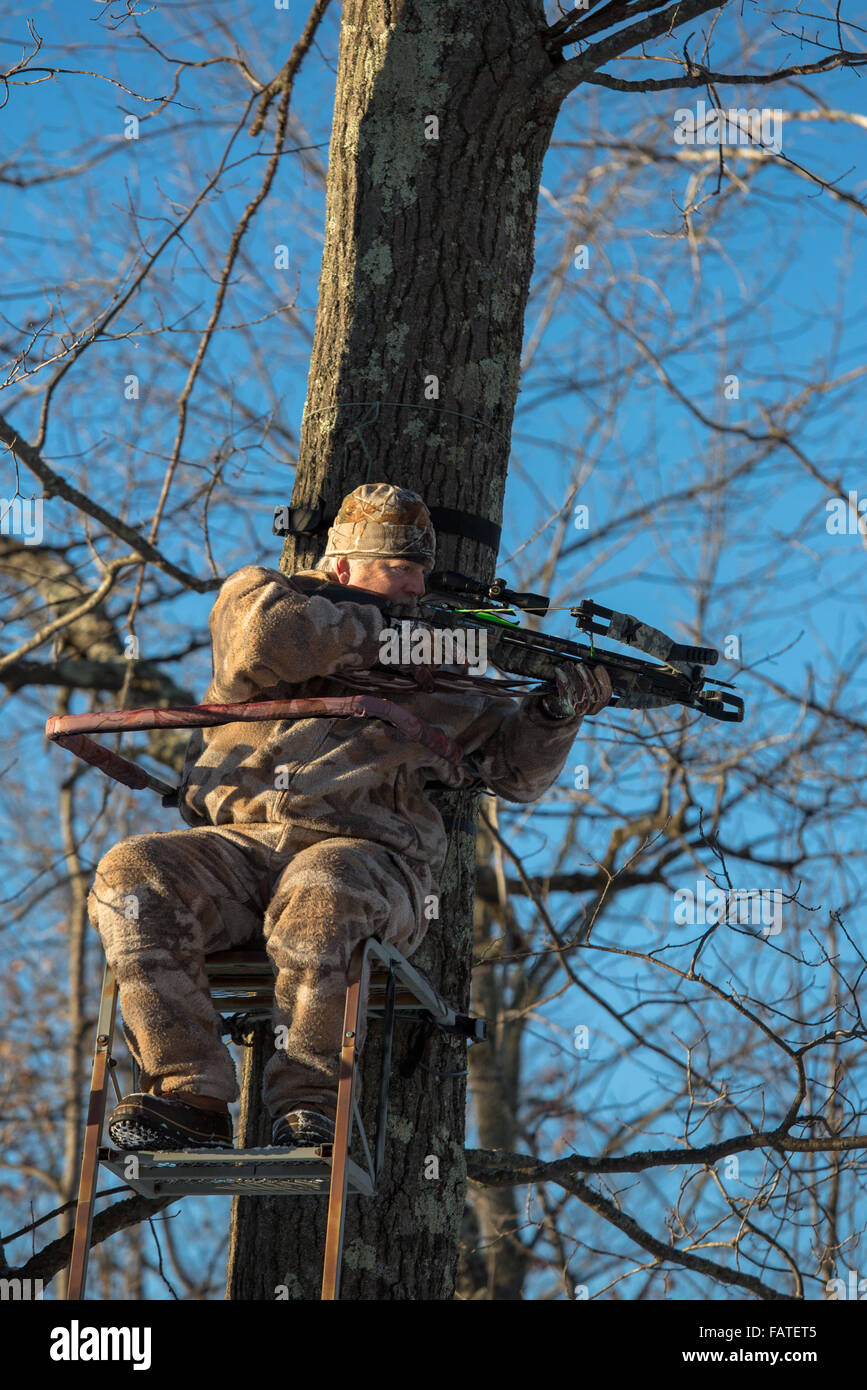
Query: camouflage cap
point(378, 519)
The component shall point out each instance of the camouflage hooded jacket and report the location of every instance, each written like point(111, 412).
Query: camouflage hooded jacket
point(351, 776)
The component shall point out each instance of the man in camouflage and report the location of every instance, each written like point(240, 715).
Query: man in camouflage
point(317, 832)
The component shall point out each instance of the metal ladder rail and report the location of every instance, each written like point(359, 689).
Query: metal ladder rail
point(441, 1013)
point(92, 1136)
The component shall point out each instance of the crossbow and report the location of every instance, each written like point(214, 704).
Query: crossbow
point(675, 677)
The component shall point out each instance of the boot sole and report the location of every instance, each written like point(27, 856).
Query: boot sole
point(307, 1140)
point(143, 1134)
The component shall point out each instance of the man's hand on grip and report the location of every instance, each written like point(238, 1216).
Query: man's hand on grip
point(580, 690)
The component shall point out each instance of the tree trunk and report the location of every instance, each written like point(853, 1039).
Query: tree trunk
point(434, 171)
point(495, 1073)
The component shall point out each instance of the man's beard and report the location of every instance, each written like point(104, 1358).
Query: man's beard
point(405, 608)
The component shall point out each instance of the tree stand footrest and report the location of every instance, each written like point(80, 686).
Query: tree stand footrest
point(232, 1172)
point(243, 981)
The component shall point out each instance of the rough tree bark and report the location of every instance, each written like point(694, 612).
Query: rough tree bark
point(435, 162)
point(495, 1072)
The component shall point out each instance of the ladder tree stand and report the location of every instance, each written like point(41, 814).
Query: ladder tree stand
point(241, 984)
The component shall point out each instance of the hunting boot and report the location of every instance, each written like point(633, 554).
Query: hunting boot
point(143, 1121)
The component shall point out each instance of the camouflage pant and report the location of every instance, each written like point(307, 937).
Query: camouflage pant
point(161, 902)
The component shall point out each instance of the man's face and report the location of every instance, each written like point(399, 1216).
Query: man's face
point(402, 581)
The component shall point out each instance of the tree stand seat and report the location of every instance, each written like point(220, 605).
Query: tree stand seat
point(243, 982)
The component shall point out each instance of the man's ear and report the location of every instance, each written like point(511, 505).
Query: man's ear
point(341, 565)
